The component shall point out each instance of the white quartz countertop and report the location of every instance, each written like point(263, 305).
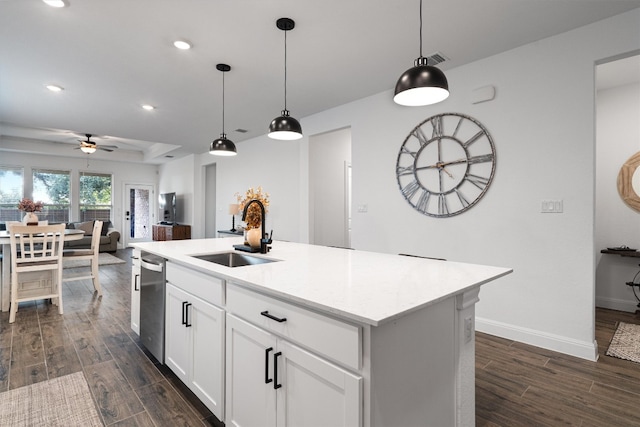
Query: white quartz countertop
point(366, 287)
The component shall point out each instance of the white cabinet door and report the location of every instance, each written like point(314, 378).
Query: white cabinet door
point(250, 396)
point(177, 335)
point(315, 392)
point(207, 357)
point(135, 291)
point(271, 382)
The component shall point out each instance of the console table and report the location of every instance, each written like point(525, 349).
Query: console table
point(623, 253)
point(161, 232)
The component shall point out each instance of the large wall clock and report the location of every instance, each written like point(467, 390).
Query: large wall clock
point(446, 164)
point(627, 177)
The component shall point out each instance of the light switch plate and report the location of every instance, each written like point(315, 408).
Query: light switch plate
point(552, 206)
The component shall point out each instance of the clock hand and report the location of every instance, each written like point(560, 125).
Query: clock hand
point(455, 162)
point(446, 171)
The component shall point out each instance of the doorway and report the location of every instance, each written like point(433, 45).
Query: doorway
point(210, 201)
point(330, 188)
point(139, 208)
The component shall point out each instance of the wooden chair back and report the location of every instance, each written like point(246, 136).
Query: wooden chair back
point(36, 246)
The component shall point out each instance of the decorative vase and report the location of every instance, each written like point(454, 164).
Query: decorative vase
point(30, 218)
point(253, 237)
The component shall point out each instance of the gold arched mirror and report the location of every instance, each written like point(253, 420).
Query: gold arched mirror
point(629, 182)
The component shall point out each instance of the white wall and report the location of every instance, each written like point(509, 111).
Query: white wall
point(542, 122)
point(329, 155)
point(122, 173)
point(618, 138)
point(178, 177)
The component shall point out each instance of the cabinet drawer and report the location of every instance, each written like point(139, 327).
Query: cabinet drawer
point(325, 335)
point(207, 287)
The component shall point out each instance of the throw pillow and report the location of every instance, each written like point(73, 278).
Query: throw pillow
point(70, 226)
point(87, 227)
point(105, 228)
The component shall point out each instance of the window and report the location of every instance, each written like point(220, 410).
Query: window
point(95, 196)
point(53, 189)
point(11, 192)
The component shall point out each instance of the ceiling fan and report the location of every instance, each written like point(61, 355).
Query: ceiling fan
point(89, 146)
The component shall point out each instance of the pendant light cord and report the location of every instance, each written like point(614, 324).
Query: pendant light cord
point(285, 69)
point(420, 28)
point(223, 102)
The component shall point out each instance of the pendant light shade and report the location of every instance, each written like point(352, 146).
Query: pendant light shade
point(222, 146)
point(422, 84)
point(285, 127)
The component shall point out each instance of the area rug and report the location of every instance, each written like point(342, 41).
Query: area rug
point(103, 259)
point(625, 343)
point(64, 401)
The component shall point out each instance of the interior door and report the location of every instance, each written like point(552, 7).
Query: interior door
point(139, 213)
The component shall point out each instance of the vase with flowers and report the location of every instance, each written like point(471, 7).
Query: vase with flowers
point(30, 208)
point(253, 219)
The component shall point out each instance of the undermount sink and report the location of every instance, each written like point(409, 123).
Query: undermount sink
point(233, 259)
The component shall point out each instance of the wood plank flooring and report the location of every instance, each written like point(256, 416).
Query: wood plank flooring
point(516, 384)
point(93, 335)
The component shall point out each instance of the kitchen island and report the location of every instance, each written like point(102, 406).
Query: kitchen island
point(323, 336)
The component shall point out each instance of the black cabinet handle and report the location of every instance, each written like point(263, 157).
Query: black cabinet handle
point(136, 286)
point(184, 312)
point(272, 317)
point(275, 370)
point(187, 321)
point(267, 380)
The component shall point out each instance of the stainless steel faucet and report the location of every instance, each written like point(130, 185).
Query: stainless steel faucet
point(264, 240)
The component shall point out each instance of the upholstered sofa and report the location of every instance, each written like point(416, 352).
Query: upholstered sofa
point(108, 238)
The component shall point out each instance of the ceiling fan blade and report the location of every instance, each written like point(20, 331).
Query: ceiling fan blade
point(100, 147)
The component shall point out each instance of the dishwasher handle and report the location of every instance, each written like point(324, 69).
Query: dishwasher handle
point(148, 265)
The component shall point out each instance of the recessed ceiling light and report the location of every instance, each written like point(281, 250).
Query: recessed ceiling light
point(181, 44)
point(54, 88)
point(148, 107)
point(55, 3)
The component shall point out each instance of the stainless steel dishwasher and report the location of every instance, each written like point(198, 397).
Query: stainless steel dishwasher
point(152, 294)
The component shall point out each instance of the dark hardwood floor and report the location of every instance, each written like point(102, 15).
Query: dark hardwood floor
point(516, 384)
point(93, 335)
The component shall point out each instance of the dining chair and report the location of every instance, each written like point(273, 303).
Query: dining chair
point(90, 254)
point(35, 251)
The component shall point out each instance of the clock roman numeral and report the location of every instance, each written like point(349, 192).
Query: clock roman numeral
point(405, 150)
point(473, 139)
point(436, 122)
point(462, 199)
point(410, 189)
point(419, 134)
point(478, 181)
point(481, 159)
point(443, 208)
point(404, 170)
point(455, 132)
point(423, 201)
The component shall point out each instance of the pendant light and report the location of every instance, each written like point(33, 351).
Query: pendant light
point(422, 84)
point(285, 127)
point(222, 146)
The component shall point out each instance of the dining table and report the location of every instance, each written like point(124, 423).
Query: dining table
point(5, 277)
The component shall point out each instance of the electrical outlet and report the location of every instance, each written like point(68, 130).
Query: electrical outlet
point(363, 208)
point(551, 206)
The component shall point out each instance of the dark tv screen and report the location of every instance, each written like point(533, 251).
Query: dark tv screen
point(167, 208)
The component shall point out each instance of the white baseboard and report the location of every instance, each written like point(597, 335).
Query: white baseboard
point(582, 349)
point(617, 304)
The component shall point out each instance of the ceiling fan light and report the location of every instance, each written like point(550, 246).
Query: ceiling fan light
point(89, 149)
point(285, 128)
point(222, 147)
point(421, 85)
